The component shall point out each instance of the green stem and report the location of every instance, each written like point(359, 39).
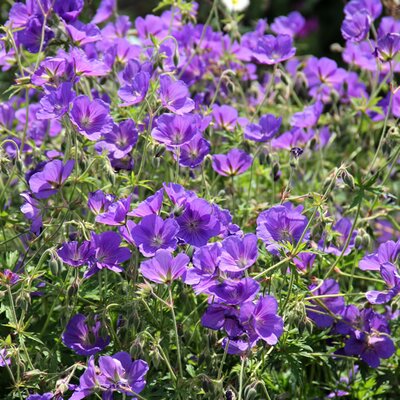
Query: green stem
point(178, 347)
point(241, 377)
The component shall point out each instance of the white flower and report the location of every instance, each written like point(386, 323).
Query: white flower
point(236, 5)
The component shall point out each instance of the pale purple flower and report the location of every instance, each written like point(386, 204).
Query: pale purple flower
point(56, 102)
point(91, 118)
point(273, 50)
point(104, 11)
point(75, 254)
point(235, 292)
point(265, 130)
point(116, 213)
point(225, 117)
point(192, 153)
point(391, 276)
point(387, 252)
point(163, 267)
point(235, 162)
point(175, 95)
point(308, 117)
point(291, 25)
point(82, 34)
point(46, 182)
point(99, 201)
point(135, 92)
point(153, 233)
point(152, 205)
point(356, 27)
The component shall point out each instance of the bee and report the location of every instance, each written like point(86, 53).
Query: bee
point(392, 7)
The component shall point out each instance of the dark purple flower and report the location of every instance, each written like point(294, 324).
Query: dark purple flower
point(174, 130)
point(238, 254)
point(288, 25)
point(343, 228)
point(120, 141)
point(46, 182)
point(5, 358)
point(197, 223)
point(265, 130)
point(356, 27)
point(273, 50)
point(107, 253)
point(234, 292)
point(175, 95)
point(104, 11)
point(192, 153)
point(388, 47)
point(280, 224)
point(91, 118)
point(308, 117)
point(135, 92)
point(152, 205)
point(236, 162)
point(116, 212)
point(154, 233)
point(218, 316)
point(68, 10)
point(370, 338)
point(225, 117)
point(163, 267)
point(387, 252)
point(56, 102)
point(323, 309)
point(391, 276)
point(75, 254)
point(262, 319)
point(31, 36)
point(85, 340)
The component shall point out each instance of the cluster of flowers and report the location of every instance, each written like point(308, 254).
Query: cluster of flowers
point(186, 236)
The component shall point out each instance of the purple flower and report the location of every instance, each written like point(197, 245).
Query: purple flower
point(197, 223)
point(388, 47)
point(356, 27)
point(304, 261)
point(225, 117)
point(68, 10)
point(370, 339)
point(343, 228)
point(91, 118)
point(387, 252)
point(273, 50)
point(219, 316)
point(163, 267)
point(308, 117)
point(74, 254)
point(152, 205)
point(120, 140)
point(107, 253)
point(7, 277)
point(116, 213)
point(205, 269)
point(236, 162)
point(46, 182)
point(87, 382)
point(261, 319)
point(391, 277)
point(135, 92)
point(294, 138)
point(175, 95)
point(31, 36)
point(265, 130)
point(99, 201)
point(174, 130)
point(5, 358)
point(322, 309)
point(280, 224)
point(178, 194)
point(372, 7)
point(83, 339)
point(82, 34)
point(238, 254)
point(288, 25)
point(192, 153)
point(32, 211)
point(56, 102)
point(234, 292)
point(154, 233)
point(44, 396)
point(52, 71)
point(104, 11)
point(120, 373)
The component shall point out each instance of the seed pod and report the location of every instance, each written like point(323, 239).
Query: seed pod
point(159, 150)
point(348, 180)
point(358, 242)
point(250, 393)
point(54, 266)
point(366, 241)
